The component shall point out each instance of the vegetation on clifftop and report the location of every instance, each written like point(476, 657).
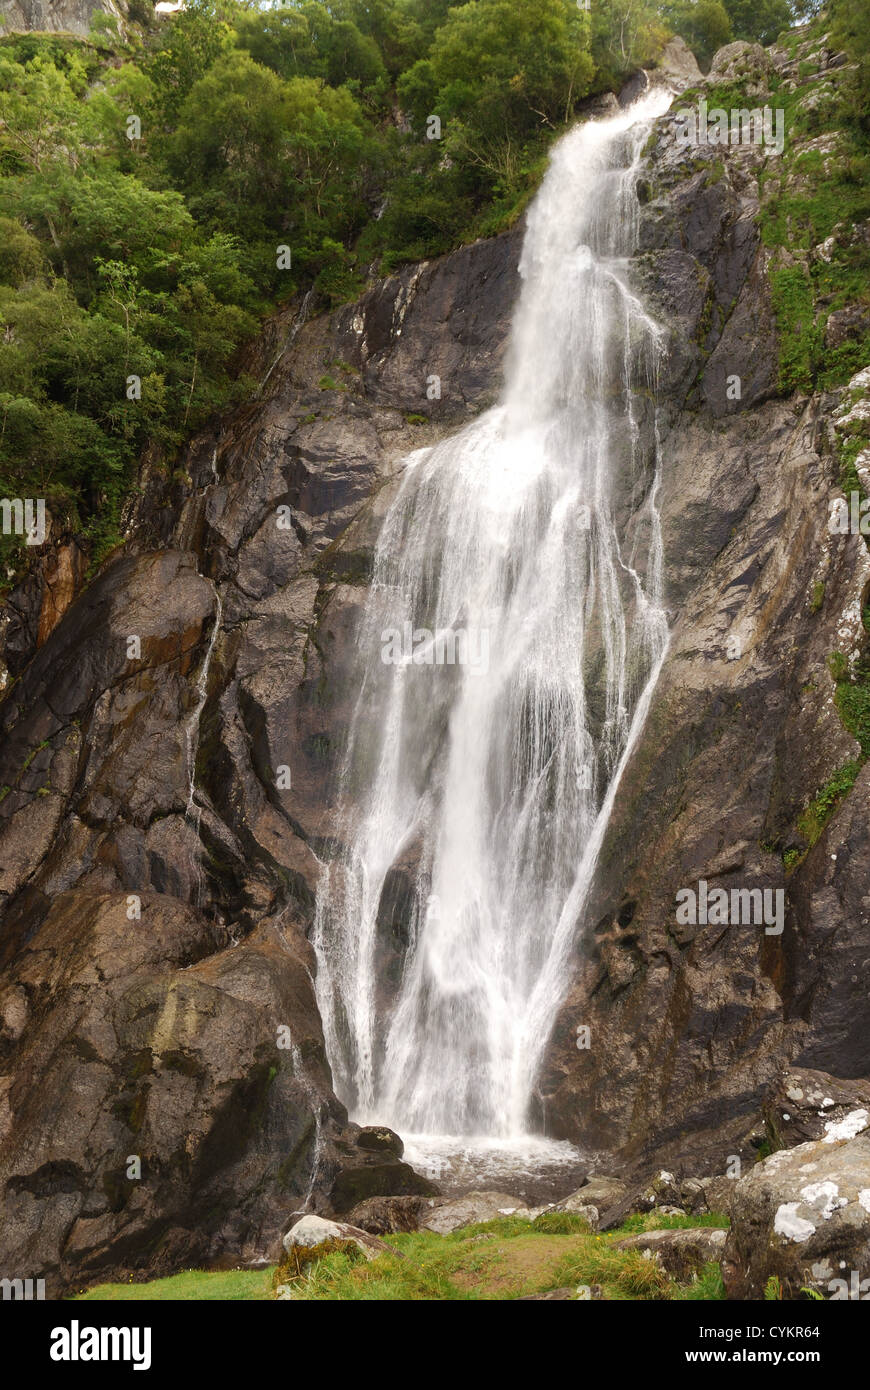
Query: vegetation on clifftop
point(148, 184)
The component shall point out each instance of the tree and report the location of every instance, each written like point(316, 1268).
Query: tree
point(704, 24)
point(231, 129)
point(759, 20)
point(309, 41)
point(21, 256)
point(504, 67)
point(41, 117)
point(192, 40)
point(626, 34)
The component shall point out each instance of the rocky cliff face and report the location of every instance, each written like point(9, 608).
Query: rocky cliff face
point(58, 16)
point(156, 990)
point(690, 1022)
point(170, 738)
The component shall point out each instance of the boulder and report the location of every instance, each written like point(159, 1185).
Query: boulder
point(718, 1192)
point(468, 1210)
point(597, 1192)
point(588, 1213)
point(368, 1167)
point(738, 58)
point(692, 1195)
point(664, 1190)
point(309, 1233)
point(802, 1216)
point(379, 1139)
point(387, 1215)
point(680, 1253)
point(678, 65)
point(803, 1105)
point(846, 325)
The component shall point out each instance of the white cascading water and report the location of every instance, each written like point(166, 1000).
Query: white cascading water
point(533, 537)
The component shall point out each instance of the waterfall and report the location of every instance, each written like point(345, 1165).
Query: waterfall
point(511, 639)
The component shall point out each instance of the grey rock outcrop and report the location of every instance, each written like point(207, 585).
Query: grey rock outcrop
point(309, 1233)
point(802, 1218)
point(470, 1209)
point(679, 1253)
point(59, 16)
point(803, 1105)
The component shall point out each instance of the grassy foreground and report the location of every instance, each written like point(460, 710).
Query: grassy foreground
point(496, 1260)
point(234, 1285)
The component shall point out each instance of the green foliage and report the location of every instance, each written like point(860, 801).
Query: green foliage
point(493, 1260)
point(708, 1286)
point(302, 125)
point(501, 67)
point(310, 41)
point(853, 705)
point(758, 20)
point(800, 335)
point(810, 197)
point(188, 46)
point(625, 35)
point(815, 817)
point(103, 277)
point(704, 24)
point(850, 30)
point(560, 1223)
point(655, 1221)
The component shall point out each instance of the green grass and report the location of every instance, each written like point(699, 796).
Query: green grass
point(493, 1261)
point(654, 1221)
point(814, 818)
point(805, 197)
point(235, 1285)
point(507, 1259)
point(708, 1287)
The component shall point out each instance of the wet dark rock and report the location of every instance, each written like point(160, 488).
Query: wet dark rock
point(379, 1139)
point(188, 1035)
point(388, 1215)
point(358, 1181)
point(370, 1166)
